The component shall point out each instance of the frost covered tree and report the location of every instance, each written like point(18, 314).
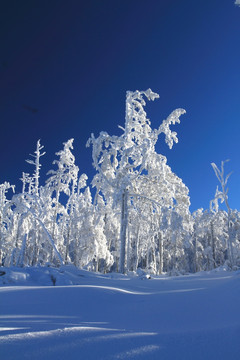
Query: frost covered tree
point(90, 248)
point(140, 214)
point(36, 162)
point(62, 181)
point(223, 195)
point(5, 221)
point(120, 161)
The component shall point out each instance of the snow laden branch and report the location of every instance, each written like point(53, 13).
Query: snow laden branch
point(170, 136)
point(214, 206)
point(121, 161)
point(223, 181)
point(3, 191)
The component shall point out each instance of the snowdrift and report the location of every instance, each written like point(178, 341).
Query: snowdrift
point(68, 313)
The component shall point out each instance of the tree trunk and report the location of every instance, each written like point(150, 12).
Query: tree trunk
point(213, 245)
point(160, 257)
point(135, 254)
point(123, 232)
point(195, 251)
point(129, 252)
point(230, 240)
point(20, 261)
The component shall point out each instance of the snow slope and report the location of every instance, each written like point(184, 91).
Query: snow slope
point(92, 316)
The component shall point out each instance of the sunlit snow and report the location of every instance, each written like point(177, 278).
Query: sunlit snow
point(89, 316)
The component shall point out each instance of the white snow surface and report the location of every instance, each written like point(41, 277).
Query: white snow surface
point(93, 316)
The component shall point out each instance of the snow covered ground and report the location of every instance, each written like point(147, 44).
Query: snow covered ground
point(92, 316)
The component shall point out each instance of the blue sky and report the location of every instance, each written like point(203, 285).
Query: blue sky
point(74, 61)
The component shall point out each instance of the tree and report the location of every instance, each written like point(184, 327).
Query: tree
point(121, 160)
point(62, 180)
point(36, 163)
point(5, 220)
point(224, 197)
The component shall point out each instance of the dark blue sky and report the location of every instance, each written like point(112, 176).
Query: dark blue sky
point(73, 61)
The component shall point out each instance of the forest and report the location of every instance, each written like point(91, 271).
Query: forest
point(134, 215)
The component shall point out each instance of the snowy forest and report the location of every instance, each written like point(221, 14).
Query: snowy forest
point(134, 216)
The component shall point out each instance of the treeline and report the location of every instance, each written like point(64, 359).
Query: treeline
point(139, 217)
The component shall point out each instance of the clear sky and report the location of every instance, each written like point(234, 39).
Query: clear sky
point(65, 67)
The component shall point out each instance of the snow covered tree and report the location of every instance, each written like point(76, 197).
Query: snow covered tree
point(121, 160)
point(63, 180)
point(140, 215)
point(224, 197)
point(5, 221)
point(36, 163)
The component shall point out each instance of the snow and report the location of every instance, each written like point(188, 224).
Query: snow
point(95, 316)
